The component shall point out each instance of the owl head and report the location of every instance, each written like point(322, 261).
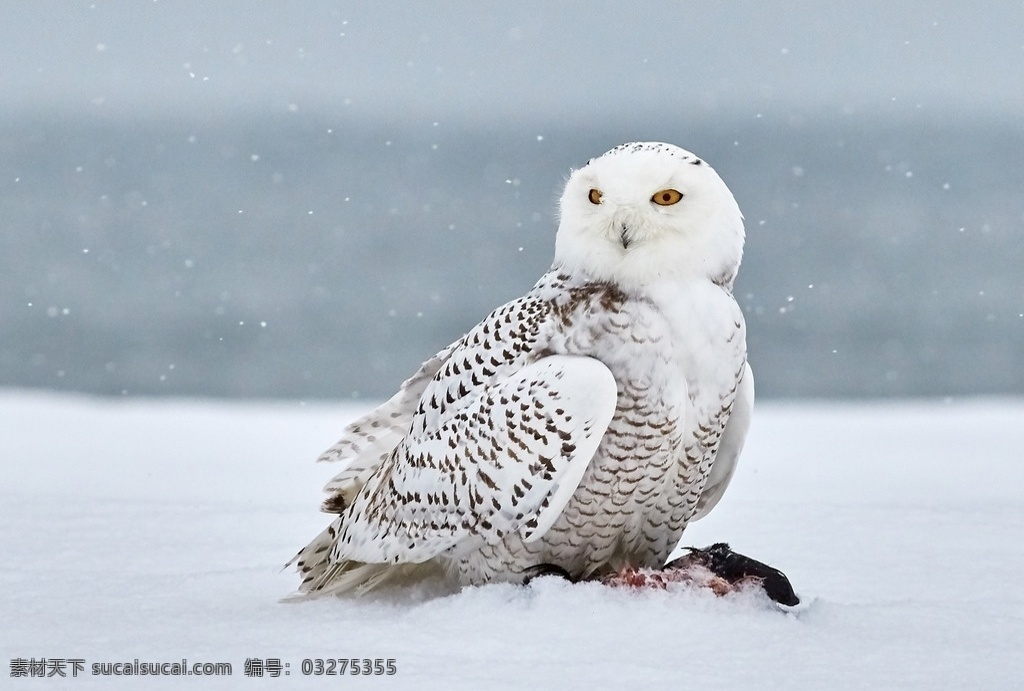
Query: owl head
point(646, 212)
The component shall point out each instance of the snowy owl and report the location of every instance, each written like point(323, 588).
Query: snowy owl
point(578, 428)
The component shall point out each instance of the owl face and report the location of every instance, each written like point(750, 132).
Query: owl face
point(644, 211)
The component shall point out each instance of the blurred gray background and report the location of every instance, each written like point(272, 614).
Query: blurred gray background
point(275, 199)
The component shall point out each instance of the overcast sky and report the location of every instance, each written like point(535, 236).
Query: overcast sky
point(522, 60)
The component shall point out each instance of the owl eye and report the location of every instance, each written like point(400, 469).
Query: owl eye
point(594, 196)
point(666, 197)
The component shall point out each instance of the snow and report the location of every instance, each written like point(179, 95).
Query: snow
point(157, 529)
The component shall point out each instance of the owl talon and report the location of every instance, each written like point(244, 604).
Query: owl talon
point(538, 570)
point(735, 568)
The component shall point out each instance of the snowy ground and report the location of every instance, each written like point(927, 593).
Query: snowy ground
point(156, 530)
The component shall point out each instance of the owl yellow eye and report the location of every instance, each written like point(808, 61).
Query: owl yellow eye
point(595, 196)
point(665, 197)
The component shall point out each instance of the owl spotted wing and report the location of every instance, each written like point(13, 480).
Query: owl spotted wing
point(509, 460)
point(368, 441)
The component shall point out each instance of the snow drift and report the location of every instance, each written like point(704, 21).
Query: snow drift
point(157, 530)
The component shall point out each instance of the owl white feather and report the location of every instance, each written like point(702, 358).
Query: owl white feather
point(581, 426)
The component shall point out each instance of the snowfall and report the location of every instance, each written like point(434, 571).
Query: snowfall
point(157, 530)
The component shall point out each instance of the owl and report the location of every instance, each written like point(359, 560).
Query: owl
point(578, 428)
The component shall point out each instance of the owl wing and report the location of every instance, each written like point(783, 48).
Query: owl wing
point(368, 441)
point(729, 448)
point(507, 460)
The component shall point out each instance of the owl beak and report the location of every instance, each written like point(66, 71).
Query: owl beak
point(624, 236)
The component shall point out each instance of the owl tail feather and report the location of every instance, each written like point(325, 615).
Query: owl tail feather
point(321, 576)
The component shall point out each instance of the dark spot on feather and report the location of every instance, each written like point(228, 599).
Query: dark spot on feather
point(333, 504)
